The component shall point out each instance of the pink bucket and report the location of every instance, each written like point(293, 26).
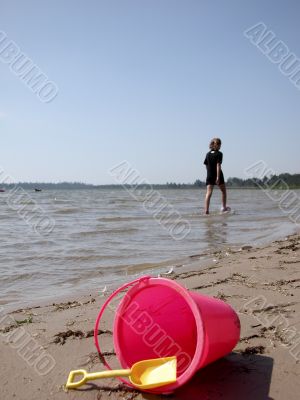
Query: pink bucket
point(159, 318)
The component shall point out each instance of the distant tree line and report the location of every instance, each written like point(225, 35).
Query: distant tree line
point(275, 181)
point(45, 185)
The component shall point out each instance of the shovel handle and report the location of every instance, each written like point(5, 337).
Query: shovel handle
point(92, 376)
point(97, 323)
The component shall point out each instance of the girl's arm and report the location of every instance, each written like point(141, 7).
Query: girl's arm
point(218, 173)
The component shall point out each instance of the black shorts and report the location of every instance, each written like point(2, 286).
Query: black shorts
point(211, 180)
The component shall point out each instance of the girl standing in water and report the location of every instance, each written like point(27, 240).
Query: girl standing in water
point(213, 161)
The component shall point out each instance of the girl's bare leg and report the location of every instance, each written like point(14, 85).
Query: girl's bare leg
point(224, 195)
point(209, 191)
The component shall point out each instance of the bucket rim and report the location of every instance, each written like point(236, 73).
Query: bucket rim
point(199, 350)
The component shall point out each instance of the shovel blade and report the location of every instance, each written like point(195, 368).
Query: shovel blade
point(154, 373)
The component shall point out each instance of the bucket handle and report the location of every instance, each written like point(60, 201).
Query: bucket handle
point(97, 323)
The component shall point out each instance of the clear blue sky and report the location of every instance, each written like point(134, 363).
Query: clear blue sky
point(149, 81)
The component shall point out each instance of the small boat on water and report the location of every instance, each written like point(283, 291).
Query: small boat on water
point(37, 190)
point(2, 190)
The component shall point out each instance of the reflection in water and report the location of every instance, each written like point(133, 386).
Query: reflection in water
point(215, 232)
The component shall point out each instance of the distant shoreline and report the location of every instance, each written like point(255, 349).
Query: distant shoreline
point(282, 181)
point(74, 186)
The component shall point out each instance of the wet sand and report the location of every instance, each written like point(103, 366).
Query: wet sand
point(261, 284)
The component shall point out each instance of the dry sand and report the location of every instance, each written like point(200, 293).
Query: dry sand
point(263, 286)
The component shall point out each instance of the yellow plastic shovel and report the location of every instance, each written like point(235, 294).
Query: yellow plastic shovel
point(144, 374)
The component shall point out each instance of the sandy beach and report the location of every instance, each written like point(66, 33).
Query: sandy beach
point(41, 344)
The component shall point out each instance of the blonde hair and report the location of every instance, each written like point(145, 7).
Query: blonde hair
point(215, 143)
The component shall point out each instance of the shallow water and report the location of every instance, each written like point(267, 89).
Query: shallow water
point(105, 236)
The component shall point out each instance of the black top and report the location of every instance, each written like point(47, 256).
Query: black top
point(212, 158)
